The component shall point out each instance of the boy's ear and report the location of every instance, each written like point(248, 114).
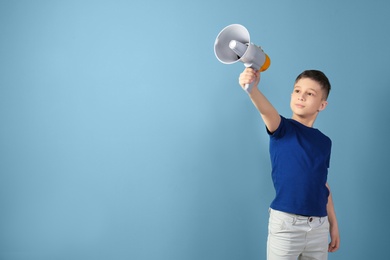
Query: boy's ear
point(323, 105)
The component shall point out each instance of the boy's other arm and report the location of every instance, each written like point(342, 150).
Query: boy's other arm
point(333, 226)
point(267, 111)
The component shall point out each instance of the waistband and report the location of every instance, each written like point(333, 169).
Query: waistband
point(294, 217)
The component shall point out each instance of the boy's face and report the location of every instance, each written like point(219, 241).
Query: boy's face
point(307, 98)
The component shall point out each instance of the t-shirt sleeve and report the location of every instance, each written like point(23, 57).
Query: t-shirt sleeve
point(279, 132)
point(330, 152)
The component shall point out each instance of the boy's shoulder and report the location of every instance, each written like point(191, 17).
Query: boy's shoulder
point(289, 125)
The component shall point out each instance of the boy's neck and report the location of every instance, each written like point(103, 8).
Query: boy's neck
point(307, 121)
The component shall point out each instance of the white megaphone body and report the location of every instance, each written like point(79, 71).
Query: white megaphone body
point(233, 44)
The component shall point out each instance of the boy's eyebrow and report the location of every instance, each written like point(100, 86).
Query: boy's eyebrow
point(297, 86)
point(313, 89)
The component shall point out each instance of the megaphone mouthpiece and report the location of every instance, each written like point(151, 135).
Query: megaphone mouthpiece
point(238, 47)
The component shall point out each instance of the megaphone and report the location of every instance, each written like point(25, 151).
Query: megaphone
point(233, 44)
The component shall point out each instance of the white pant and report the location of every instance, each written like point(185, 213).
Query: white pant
point(292, 237)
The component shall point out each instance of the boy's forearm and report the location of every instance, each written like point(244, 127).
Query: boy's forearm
point(267, 111)
point(333, 225)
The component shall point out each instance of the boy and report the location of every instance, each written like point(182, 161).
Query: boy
point(302, 213)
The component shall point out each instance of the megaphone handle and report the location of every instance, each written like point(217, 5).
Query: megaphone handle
point(248, 87)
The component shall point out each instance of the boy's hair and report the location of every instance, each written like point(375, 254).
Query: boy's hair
point(319, 77)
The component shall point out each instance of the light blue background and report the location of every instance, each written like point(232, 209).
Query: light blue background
point(123, 137)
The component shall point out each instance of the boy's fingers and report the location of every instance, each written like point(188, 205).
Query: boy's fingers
point(333, 247)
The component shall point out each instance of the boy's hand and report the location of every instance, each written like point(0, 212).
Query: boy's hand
point(248, 76)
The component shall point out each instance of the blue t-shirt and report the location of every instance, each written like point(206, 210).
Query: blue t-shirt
point(300, 157)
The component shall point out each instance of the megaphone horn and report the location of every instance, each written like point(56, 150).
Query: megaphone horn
point(233, 44)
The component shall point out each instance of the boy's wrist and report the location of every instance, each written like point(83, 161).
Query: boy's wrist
point(254, 91)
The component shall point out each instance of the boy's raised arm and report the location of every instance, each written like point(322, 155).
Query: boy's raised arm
point(267, 111)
